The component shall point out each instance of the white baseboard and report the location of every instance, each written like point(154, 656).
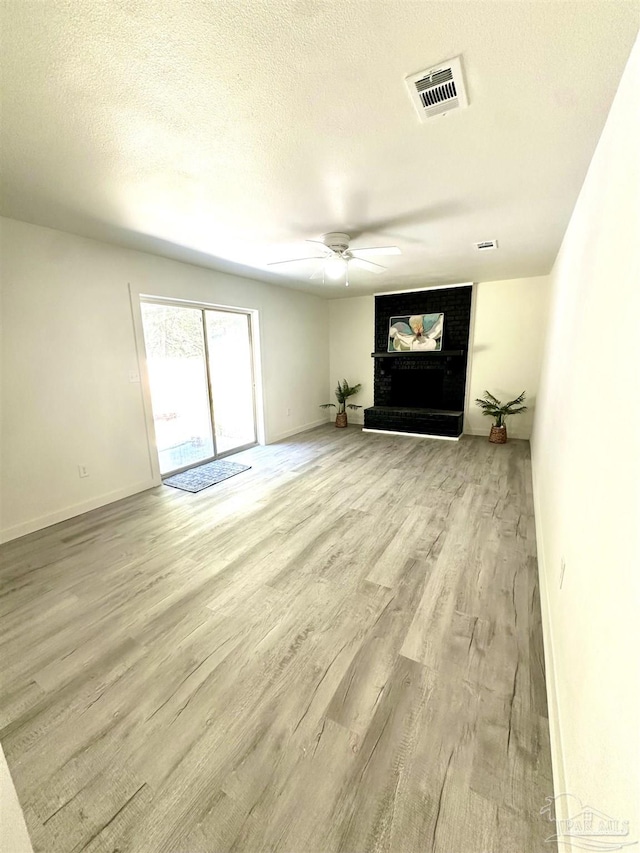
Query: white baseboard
point(553, 709)
point(413, 434)
point(303, 428)
point(34, 524)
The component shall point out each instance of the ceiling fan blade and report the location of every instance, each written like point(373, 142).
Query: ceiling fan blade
point(318, 273)
point(410, 219)
point(378, 250)
point(295, 261)
point(367, 265)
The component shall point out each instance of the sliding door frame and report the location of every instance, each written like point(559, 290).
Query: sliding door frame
point(203, 308)
point(247, 315)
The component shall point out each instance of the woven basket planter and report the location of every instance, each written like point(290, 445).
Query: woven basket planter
point(498, 435)
point(341, 419)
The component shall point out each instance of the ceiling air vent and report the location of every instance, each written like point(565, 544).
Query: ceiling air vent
point(486, 245)
point(438, 90)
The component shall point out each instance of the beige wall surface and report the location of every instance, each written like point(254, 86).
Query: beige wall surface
point(69, 346)
point(509, 331)
point(586, 465)
point(351, 343)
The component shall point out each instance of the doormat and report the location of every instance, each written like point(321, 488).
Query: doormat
point(197, 479)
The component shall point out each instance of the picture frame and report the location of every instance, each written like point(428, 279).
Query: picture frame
point(416, 333)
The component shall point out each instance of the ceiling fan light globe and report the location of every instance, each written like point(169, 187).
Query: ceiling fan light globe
point(335, 268)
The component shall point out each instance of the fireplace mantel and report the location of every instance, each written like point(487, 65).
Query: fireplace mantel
point(419, 354)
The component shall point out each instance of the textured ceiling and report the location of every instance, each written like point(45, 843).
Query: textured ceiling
point(225, 133)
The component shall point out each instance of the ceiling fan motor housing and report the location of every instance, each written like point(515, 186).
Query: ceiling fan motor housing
point(336, 241)
point(336, 263)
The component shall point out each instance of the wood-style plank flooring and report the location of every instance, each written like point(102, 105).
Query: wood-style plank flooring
point(339, 650)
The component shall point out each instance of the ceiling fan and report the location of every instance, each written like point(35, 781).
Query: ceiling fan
point(338, 257)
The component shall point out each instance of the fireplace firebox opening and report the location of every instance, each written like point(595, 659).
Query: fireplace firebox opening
point(417, 388)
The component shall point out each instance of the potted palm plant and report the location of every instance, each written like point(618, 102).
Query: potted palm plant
point(497, 410)
point(343, 392)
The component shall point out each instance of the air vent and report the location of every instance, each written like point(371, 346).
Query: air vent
point(487, 245)
point(438, 90)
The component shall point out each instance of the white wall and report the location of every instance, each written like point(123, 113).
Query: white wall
point(14, 837)
point(506, 347)
point(68, 348)
point(586, 464)
point(509, 331)
point(351, 342)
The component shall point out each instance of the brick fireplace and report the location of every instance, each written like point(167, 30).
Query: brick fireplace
point(421, 392)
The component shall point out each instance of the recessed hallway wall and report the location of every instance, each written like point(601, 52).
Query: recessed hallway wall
point(507, 338)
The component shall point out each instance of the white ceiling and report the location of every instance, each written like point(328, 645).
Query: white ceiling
point(226, 133)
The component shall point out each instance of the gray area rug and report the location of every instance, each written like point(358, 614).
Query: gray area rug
point(197, 479)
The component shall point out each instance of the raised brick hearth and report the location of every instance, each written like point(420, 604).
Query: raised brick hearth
point(423, 421)
point(421, 392)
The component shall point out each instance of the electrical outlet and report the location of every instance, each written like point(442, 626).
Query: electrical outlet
point(134, 376)
point(563, 566)
point(83, 471)
point(288, 413)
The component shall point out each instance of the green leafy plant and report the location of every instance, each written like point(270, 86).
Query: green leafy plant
point(343, 392)
point(494, 408)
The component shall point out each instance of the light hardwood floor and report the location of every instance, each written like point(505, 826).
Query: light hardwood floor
point(339, 650)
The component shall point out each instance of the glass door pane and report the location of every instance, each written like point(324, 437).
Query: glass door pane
point(178, 377)
point(231, 375)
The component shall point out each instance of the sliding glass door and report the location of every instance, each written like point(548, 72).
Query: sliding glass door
point(231, 376)
point(179, 386)
point(200, 364)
